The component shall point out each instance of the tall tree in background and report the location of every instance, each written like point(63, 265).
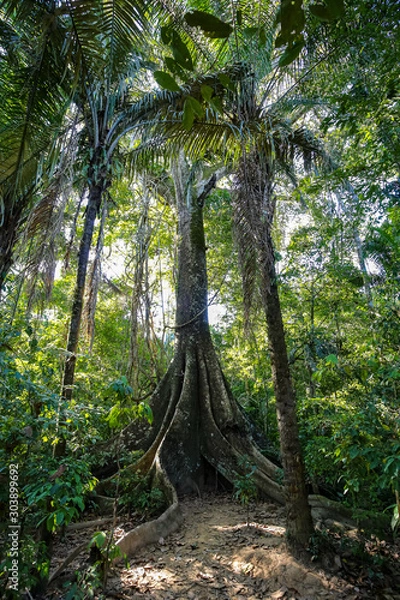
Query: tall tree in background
point(107, 91)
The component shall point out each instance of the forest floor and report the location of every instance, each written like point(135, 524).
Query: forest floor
point(226, 551)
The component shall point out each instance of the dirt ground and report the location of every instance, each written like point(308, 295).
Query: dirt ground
point(225, 551)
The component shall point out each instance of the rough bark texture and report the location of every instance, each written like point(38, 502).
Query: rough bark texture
point(255, 207)
point(99, 183)
point(77, 304)
point(197, 422)
point(298, 513)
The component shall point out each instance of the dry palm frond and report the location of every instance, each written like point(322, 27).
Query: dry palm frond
point(44, 224)
point(72, 235)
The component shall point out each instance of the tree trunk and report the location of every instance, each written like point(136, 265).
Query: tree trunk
point(94, 202)
point(89, 312)
point(298, 513)
point(99, 179)
point(198, 428)
point(142, 243)
point(255, 207)
point(8, 237)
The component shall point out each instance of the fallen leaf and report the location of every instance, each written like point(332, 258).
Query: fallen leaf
point(281, 593)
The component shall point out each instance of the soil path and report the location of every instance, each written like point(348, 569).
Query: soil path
point(225, 551)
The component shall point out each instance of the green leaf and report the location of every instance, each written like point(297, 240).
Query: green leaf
point(226, 81)
point(206, 92)
point(191, 109)
point(251, 31)
point(99, 539)
point(197, 107)
point(146, 412)
point(209, 24)
point(181, 52)
point(59, 517)
point(332, 359)
point(336, 7)
point(50, 522)
point(291, 53)
point(216, 104)
point(165, 81)
point(188, 115)
point(321, 12)
point(354, 452)
point(166, 34)
point(79, 502)
point(291, 20)
point(239, 17)
point(262, 40)
point(174, 67)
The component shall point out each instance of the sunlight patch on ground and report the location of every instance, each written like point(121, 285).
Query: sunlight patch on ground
point(267, 529)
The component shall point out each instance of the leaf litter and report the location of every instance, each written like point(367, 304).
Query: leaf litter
point(226, 551)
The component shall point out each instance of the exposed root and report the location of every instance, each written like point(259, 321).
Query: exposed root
point(225, 451)
point(152, 531)
point(323, 509)
point(71, 557)
point(196, 417)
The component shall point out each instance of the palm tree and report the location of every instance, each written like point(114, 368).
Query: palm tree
point(95, 66)
point(34, 80)
point(109, 99)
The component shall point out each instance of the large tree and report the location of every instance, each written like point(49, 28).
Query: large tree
point(238, 110)
point(199, 429)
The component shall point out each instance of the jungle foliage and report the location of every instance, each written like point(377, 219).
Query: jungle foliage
point(100, 99)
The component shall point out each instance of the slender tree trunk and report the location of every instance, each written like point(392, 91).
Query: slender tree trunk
point(94, 202)
point(6, 245)
point(298, 512)
point(143, 237)
point(255, 208)
point(98, 186)
point(94, 281)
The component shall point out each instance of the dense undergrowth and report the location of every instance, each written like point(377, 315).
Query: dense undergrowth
point(349, 429)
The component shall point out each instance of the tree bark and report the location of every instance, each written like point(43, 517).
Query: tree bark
point(89, 311)
point(298, 513)
point(99, 183)
point(93, 206)
point(142, 243)
point(255, 208)
point(198, 430)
